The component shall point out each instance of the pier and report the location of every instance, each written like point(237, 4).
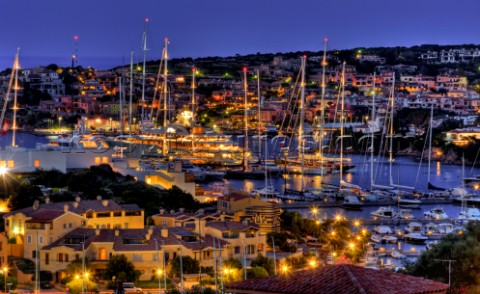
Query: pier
point(329, 204)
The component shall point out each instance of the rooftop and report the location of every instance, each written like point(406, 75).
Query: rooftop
point(342, 278)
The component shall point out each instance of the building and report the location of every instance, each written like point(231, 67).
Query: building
point(341, 278)
point(244, 207)
point(462, 137)
point(44, 223)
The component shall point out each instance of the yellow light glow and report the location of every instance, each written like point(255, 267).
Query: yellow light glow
point(351, 245)
point(3, 170)
point(284, 269)
point(313, 263)
point(159, 272)
point(77, 277)
point(356, 223)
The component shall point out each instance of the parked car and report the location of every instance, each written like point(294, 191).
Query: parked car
point(129, 287)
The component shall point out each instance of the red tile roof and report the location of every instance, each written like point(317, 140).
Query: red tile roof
point(342, 278)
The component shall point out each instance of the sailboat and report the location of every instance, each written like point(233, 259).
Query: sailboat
point(247, 172)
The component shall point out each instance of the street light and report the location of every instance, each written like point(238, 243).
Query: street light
point(4, 270)
point(59, 122)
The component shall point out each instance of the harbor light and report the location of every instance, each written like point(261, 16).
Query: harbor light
point(314, 211)
point(3, 170)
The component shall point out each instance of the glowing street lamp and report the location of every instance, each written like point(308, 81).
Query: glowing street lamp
point(285, 269)
point(313, 263)
point(5, 273)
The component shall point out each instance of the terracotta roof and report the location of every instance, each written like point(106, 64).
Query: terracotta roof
point(231, 226)
point(342, 278)
point(45, 215)
point(81, 207)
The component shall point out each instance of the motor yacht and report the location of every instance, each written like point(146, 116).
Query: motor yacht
point(435, 213)
point(383, 213)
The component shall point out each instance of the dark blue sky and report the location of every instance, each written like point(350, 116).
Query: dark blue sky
point(109, 29)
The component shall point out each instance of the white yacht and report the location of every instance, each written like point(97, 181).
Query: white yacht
point(413, 227)
point(397, 255)
point(435, 213)
point(404, 214)
point(383, 213)
point(469, 214)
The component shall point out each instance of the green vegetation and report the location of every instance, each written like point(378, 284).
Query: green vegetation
point(121, 268)
point(464, 249)
point(89, 183)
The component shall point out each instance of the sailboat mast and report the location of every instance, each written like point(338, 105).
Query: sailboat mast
point(258, 114)
point(390, 150)
point(322, 113)
point(245, 148)
point(165, 96)
point(131, 96)
point(15, 92)
point(372, 137)
point(302, 117)
point(342, 117)
point(144, 49)
point(192, 123)
point(120, 92)
point(430, 142)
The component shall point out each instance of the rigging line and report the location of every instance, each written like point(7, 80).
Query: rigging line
point(157, 85)
point(423, 153)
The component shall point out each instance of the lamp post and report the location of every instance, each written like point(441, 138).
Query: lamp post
point(164, 272)
point(158, 264)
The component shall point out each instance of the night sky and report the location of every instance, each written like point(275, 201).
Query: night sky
point(109, 29)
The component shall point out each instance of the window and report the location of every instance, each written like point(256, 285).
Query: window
point(237, 249)
point(11, 164)
point(66, 257)
point(47, 258)
point(3, 163)
point(60, 257)
point(29, 239)
point(64, 226)
point(36, 163)
point(70, 225)
point(97, 160)
point(250, 249)
point(34, 254)
point(105, 160)
point(260, 246)
point(137, 257)
point(40, 239)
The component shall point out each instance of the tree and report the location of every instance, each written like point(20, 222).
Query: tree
point(121, 268)
point(464, 248)
point(190, 266)
point(262, 261)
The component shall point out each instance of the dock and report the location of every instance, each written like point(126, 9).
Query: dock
point(332, 204)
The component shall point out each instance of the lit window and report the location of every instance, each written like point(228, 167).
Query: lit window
point(3, 163)
point(97, 160)
point(102, 254)
point(11, 164)
point(36, 163)
point(105, 160)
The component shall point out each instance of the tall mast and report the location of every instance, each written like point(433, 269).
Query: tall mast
point(430, 142)
point(390, 150)
point(322, 114)
point(245, 118)
point(120, 93)
point(75, 55)
point(342, 117)
point(15, 92)
point(144, 49)
point(259, 109)
point(302, 117)
point(165, 96)
point(192, 124)
point(131, 96)
point(372, 129)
